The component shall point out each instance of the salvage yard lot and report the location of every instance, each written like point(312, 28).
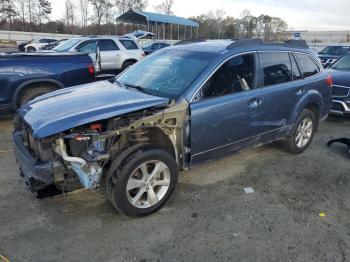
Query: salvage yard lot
point(208, 217)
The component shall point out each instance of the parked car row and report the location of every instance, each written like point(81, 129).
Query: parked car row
point(179, 107)
point(52, 64)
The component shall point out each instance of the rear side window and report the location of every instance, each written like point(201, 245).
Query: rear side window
point(308, 65)
point(108, 45)
point(277, 68)
point(129, 44)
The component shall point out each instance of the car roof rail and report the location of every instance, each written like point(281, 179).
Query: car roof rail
point(260, 42)
point(245, 42)
point(190, 41)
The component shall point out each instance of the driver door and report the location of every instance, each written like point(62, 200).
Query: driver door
point(226, 112)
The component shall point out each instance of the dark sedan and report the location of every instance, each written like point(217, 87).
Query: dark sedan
point(152, 47)
point(340, 71)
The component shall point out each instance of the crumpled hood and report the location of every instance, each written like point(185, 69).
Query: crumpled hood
point(71, 107)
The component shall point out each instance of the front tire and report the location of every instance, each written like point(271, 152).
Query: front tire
point(142, 182)
point(302, 132)
point(31, 49)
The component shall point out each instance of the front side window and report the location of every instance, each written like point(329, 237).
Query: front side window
point(308, 65)
point(167, 73)
point(342, 64)
point(87, 47)
point(276, 67)
point(236, 75)
point(108, 45)
point(129, 44)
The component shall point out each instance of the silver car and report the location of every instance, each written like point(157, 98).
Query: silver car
point(116, 53)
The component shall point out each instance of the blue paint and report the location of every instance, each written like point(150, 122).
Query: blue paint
point(71, 107)
point(19, 70)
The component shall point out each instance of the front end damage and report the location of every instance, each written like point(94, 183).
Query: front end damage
point(81, 156)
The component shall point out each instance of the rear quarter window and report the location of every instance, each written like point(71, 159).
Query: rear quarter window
point(308, 66)
point(129, 44)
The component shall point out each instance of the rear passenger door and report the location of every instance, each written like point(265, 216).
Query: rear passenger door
point(110, 54)
point(279, 81)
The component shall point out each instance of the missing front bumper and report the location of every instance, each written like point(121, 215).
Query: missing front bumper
point(38, 175)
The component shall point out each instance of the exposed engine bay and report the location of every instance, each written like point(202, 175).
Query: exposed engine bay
point(84, 153)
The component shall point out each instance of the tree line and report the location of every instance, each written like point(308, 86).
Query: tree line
point(216, 25)
point(98, 17)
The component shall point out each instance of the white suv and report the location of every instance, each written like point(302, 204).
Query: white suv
point(116, 53)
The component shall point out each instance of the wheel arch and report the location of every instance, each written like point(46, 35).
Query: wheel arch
point(132, 60)
point(33, 84)
point(312, 101)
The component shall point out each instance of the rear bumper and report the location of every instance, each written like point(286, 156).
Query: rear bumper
point(37, 175)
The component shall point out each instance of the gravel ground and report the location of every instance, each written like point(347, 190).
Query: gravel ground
point(209, 218)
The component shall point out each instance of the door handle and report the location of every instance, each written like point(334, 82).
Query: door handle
point(255, 102)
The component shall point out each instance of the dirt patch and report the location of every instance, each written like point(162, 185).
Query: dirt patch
point(209, 218)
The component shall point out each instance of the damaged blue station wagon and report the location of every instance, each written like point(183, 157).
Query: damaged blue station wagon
point(179, 107)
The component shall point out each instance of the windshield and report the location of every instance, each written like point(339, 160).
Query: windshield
point(167, 73)
point(65, 46)
point(147, 46)
point(343, 63)
point(335, 50)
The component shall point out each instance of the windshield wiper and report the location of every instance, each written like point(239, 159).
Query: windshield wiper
point(139, 88)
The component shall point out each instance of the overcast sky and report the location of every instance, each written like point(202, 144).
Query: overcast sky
point(299, 14)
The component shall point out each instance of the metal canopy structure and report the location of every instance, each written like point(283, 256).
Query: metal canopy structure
point(156, 21)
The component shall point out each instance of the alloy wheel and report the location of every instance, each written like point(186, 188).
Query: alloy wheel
point(148, 184)
point(304, 132)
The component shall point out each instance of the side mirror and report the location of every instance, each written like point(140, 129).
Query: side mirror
point(98, 60)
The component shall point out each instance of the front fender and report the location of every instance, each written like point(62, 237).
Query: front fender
point(311, 97)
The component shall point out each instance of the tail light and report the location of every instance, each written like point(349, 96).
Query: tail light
point(329, 81)
point(91, 69)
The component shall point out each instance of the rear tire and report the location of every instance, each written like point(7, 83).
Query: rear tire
point(32, 93)
point(142, 182)
point(302, 133)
